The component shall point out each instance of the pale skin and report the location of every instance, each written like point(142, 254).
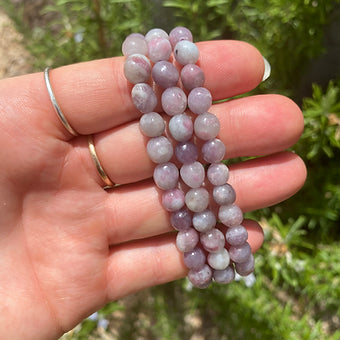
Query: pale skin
point(64, 249)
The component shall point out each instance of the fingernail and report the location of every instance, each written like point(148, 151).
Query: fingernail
point(267, 69)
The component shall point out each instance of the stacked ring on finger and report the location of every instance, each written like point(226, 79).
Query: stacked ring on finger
point(209, 253)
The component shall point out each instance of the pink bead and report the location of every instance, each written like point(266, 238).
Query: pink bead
point(159, 49)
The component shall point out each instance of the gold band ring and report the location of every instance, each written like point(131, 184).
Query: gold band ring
point(101, 171)
point(55, 104)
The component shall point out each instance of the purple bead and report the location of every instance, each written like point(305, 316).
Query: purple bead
point(181, 220)
point(137, 68)
point(173, 199)
point(204, 221)
point(186, 52)
point(165, 74)
point(194, 259)
point(166, 176)
point(247, 267)
point(236, 236)
point(219, 260)
point(144, 98)
point(193, 174)
point(156, 33)
point(230, 215)
point(213, 150)
point(135, 43)
point(197, 200)
point(206, 126)
point(159, 49)
point(224, 194)
point(218, 174)
point(192, 76)
point(174, 101)
point(186, 152)
point(213, 240)
point(199, 100)
point(224, 276)
point(181, 127)
point(178, 34)
point(159, 149)
point(240, 254)
point(187, 240)
point(200, 278)
point(152, 124)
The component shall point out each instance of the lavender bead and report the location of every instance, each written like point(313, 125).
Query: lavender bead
point(178, 34)
point(193, 174)
point(156, 33)
point(236, 236)
point(137, 68)
point(181, 220)
point(192, 76)
point(159, 49)
point(230, 215)
point(224, 276)
point(213, 150)
point(165, 74)
point(181, 127)
point(197, 200)
point(186, 152)
point(194, 259)
point(247, 267)
point(152, 124)
point(166, 176)
point(219, 260)
point(159, 149)
point(186, 52)
point(187, 240)
point(240, 254)
point(143, 97)
point(199, 100)
point(224, 194)
point(218, 174)
point(135, 43)
point(173, 199)
point(213, 240)
point(206, 126)
point(200, 278)
point(174, 101)
point(204, 221)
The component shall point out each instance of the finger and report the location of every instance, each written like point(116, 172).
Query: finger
point(145, 263)
point(258, 183)
point(251, 126)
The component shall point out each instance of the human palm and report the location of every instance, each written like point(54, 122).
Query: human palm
point(67, 246)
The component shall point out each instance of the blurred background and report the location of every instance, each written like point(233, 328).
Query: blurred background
point(296, 290)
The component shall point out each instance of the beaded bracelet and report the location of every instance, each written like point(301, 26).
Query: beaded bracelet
point(208, 253)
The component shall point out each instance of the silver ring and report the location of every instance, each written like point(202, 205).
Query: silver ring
point(55, 104)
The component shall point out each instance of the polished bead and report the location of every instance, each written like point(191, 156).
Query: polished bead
point(230, 215)
point(181, 127)
point(165, 74)
point(135, 43)
point(240, 254)
point(247, 267)
point(156, 33)
point(159, 49)
point(137, 68)
point(181, 220)
point(213, 151)
point(199, 100)
point(192, 76)
point(173, 199)
point(219, 260)
point(159, 149)
point(193, 174)
point(178, 34)
point(218, 174)
point(152, 124)
point(236, 236)
point(206, 126)
point(213, 240)
point(187, 240)
point(143, 97)
point(200, 278)
point(226, 275)
point(166, 175)
point(194, 259)
point(186, 52)
point(174, 101)
point(197, 200)
point(186, 152)
point(204, 221)
point(224, 194)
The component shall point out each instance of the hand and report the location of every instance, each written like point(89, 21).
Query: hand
point(63, 239)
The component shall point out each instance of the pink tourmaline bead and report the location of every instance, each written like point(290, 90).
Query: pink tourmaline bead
point(194, 259)
point(181, 219)
point(240, 254)
point(213, 150)
point(200, 278)
point(135, 43)
point(206, 126)
point(186, 152)
point(181, 127)
point(236, 236)
point(224, 194)
point(204, 221)
point(224, 276)
point(152, 124)
point(143, 97)
point(174, 101)
point(173, 199)
point(199, 100)
point(219, 260)
point(218, 174)
point(197, 200)
point(159, 49)
point(192, 76)
point(187, 240)
point(186, 52)
point(193, 174)
point(213, 240)
point(178, 34)
point(166, 176)
point(230, 215)
point(247, 267)
point(165, 74)
point(156, 33)
point(159, 149)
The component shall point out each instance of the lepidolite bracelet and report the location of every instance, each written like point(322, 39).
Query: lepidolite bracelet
point(209, 253)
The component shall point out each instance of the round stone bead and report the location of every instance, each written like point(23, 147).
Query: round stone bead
point(226, 275)
point(247, 267)
point(166, 175)
point(240, 254)
point(181, 219)
point(193, 174)
point(218, 174)
point(200, 278)
point(143, 97)
point(186, 152)
point(152, 124)
point(187, 240)
point(181, 127)
point(137, 68)
point(165, 74)
point(173, 199)
point(186, 52)
point(230, 215)
point(192, 76)
point(159, 49)
point(219, 260)
point(135, 43)
point(178, 34)
point(174, 101)
point(213, 240)
point(204, 221)
point(224, 194)
point(199, 100)
point(197, 200)
point(156, 33)
point(159, 149)
point(236, 236)
point(194, 259)
point(206, 126)
point(213, 150)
